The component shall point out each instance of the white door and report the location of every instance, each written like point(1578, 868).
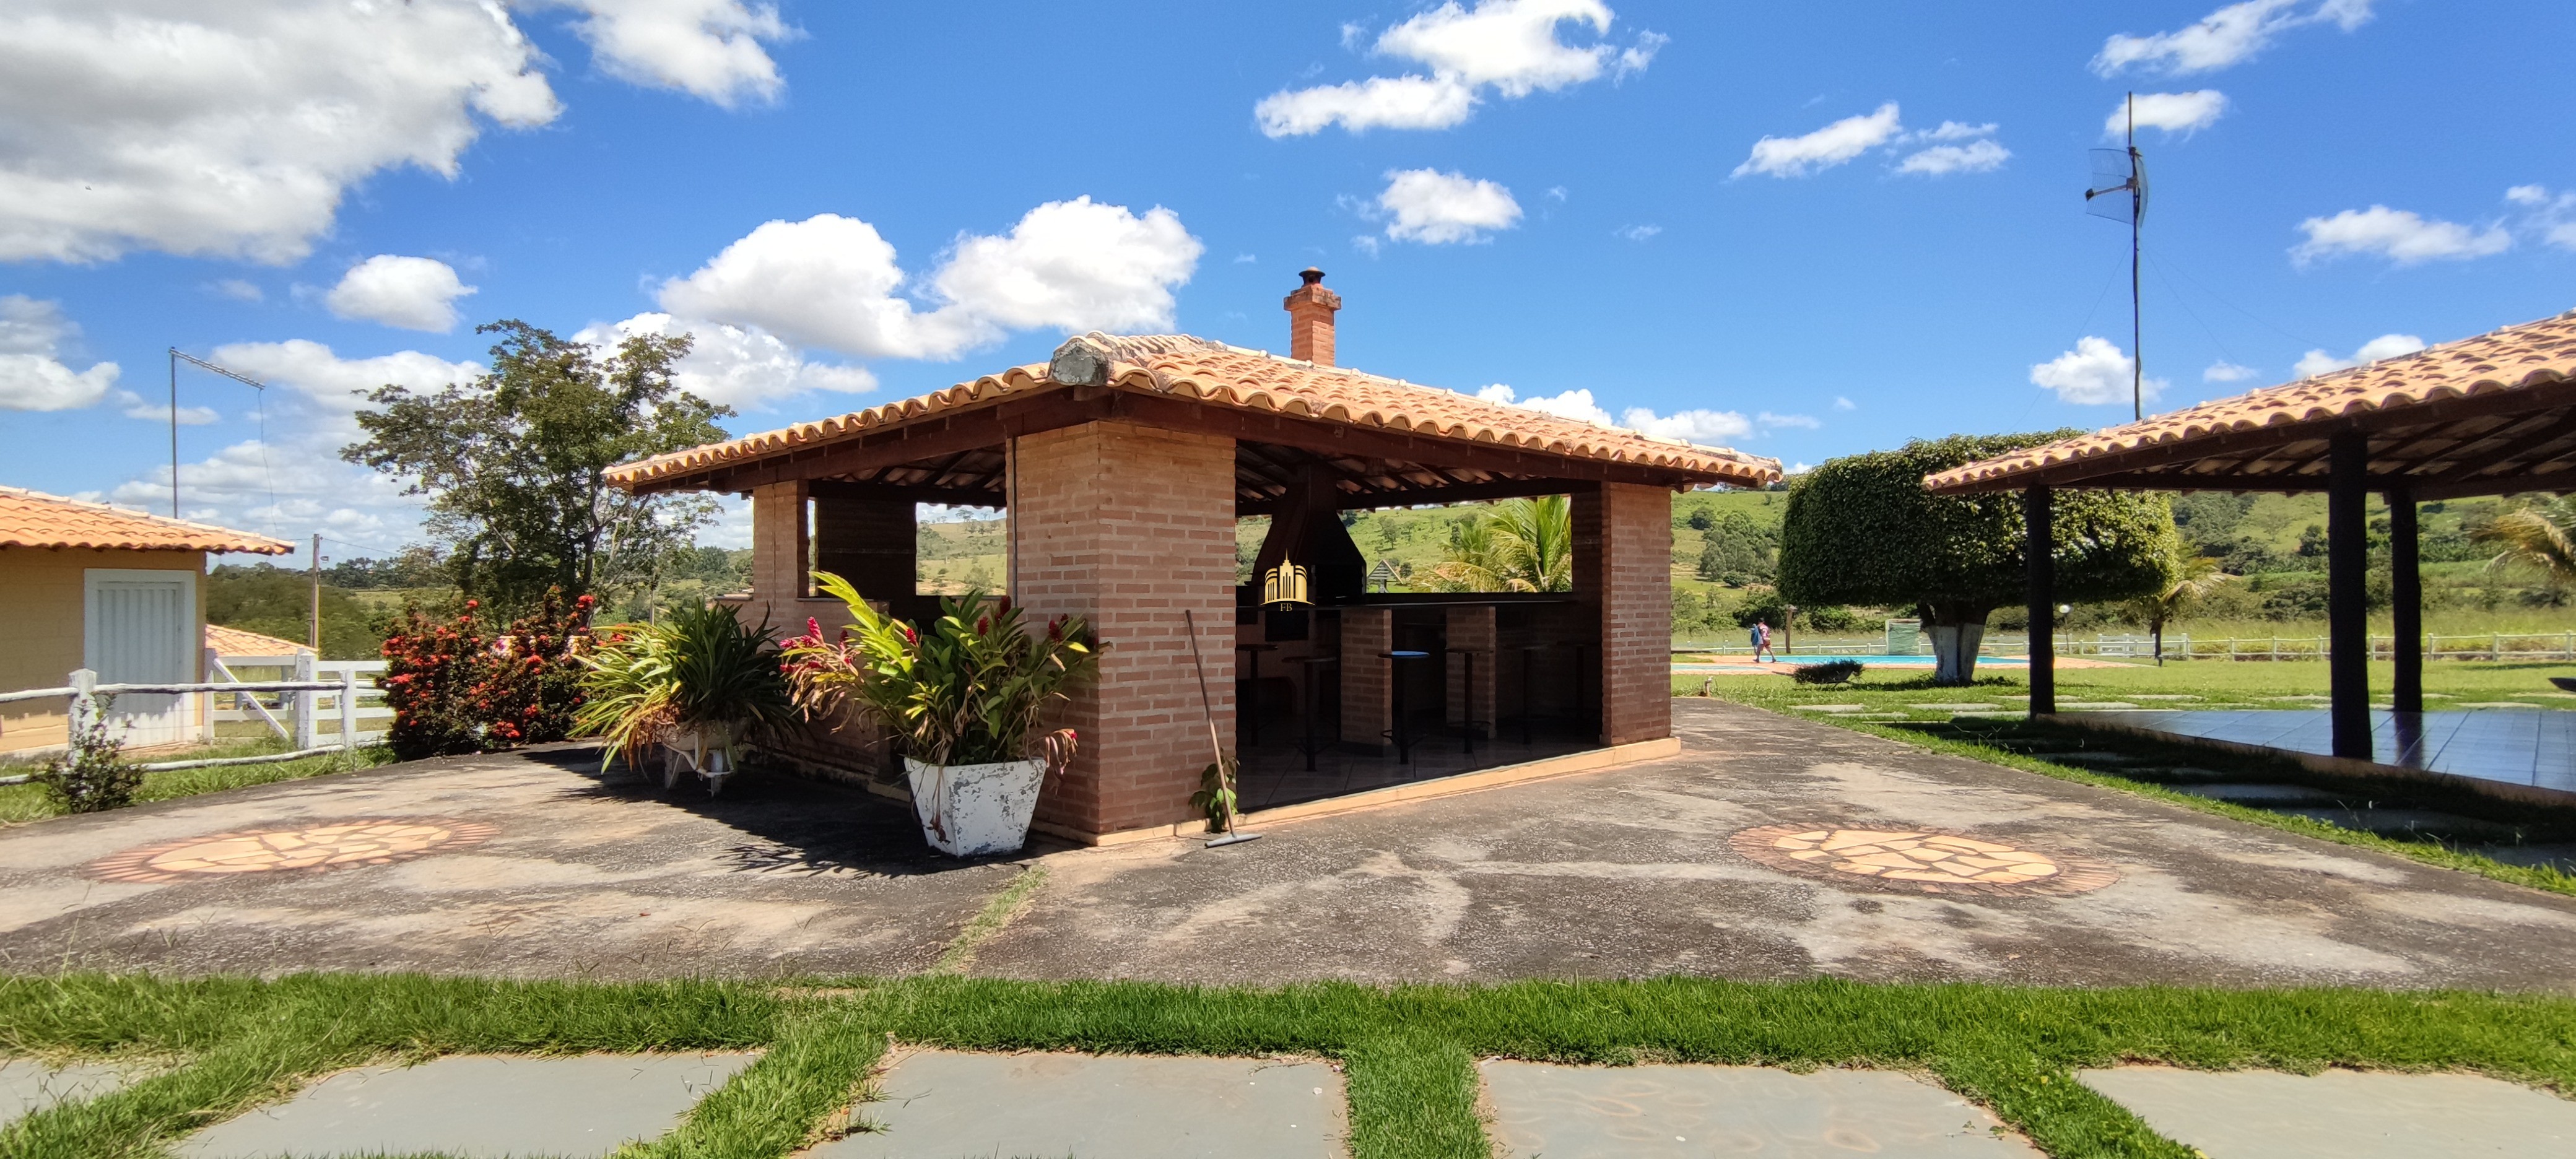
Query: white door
point(141, 628)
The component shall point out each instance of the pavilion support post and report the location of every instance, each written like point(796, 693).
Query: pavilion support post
point(2039, 544)
point(1131, 527)
point(1623, 577)
point(2406, 601)
point(780, 564)
point(2347, 576)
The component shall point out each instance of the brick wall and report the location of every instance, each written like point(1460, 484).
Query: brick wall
point(1472, 630)
point(1128, 526)
point(869, 542)
point(779, 576)
point(1368, 688)
point(1623, 551)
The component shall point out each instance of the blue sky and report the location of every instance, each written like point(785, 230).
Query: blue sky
point(1800, 230)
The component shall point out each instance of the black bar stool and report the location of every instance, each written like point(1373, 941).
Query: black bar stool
point(1468, 723)
point(1402, 733)
point(1247, 695)
point(1314, 701)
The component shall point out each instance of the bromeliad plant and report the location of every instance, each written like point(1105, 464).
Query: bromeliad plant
point(967, 689)
point(698, 667)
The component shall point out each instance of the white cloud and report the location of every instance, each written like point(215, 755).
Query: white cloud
point(1696, 426)
point(231, 130)
point(32, 373)
point(2095, 372)
point(1770, 421)
point(1941, 160)
point(2183, 113)
point(710, 49)
point(289, 488)
point(239, 290)
point(1690, 426)
point(2226, 37)
point(1380, 102)
point(1437, 208)
point(2225, 371)
point(1841, 403)
point(333, 383)
point(2316, 362)
point(1509, 46)
point(1955, 131)
point(136, 407)
point(1825, 148)
point(831, 282)
point(1366, 243)
point(412, 293)
point(2401, 236)
point(741, 367)
point(1245, 259)
point(1637, 232)
point(2552, 216)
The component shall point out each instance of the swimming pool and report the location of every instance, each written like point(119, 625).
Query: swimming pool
point(1794, 660)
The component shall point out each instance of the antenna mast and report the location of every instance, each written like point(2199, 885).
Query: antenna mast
point(2124, 171)
point(178, 356)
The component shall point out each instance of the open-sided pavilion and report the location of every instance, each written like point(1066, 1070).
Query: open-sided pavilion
point(1123, 464)
point(2489, 415)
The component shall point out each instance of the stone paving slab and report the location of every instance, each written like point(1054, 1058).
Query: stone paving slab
point(1543, 1111)
point(474, 1107)
point(941, 1105)
point(2342, 1114)
point(28, 1086)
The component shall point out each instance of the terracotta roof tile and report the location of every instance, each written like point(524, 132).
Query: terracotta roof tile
point(1231, 376)
point(2521, 357)
point(35, 519)
point(236, 642)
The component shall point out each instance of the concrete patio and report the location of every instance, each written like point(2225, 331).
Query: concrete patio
point(1772, 848)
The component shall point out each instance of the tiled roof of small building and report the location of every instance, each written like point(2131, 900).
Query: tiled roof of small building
point(1230, 376)
point(2516, 358)
point(35, 519)
point(236, 642)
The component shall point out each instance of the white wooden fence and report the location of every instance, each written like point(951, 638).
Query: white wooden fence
point(295, 717)
point(318, 686)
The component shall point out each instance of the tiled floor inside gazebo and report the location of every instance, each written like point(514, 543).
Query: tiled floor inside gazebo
point(1275, 773)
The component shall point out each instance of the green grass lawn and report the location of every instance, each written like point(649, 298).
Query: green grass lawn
point(22, 803)
point(215, 1047)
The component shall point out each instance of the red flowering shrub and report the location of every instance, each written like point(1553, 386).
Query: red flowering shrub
point(456, 689)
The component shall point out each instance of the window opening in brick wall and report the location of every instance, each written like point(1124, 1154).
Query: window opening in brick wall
point(958, 549)
point(1468, 547)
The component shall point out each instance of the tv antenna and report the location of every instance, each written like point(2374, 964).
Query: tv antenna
point(178, 356)
point(2119, 192)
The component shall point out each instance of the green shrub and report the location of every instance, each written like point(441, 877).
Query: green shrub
point(92, 774)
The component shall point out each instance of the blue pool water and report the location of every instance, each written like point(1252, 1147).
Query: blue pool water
point(1794, 660)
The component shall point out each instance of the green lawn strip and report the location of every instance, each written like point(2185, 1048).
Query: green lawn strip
point(1408, 1051)
point(2540, 877)
point(24, 803)
point(818, 1066)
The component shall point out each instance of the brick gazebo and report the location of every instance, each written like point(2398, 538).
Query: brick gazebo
point(1123, 464)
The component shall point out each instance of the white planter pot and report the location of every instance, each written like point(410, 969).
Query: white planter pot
point(975, 810)
point(705, 749)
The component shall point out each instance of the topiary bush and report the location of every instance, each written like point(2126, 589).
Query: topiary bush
point(456, 688)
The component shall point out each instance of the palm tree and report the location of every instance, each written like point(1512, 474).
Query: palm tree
point(1522, 545)
point(2193, 578)
point(2540, 536)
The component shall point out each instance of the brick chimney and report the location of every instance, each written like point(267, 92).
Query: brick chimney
point(1310, 319)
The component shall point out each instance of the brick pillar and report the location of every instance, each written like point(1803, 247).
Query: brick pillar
point(869, 542)
point(1368, 682)
point(778, 555)
point(1127, 526)
point(1623, 561)
point(1472, 630)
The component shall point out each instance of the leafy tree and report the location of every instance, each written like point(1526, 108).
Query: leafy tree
point(514, 463)
point(1737, 550)
point(1700, 519)
point(1862, 530)
point(1522, 545)
point(2192, 579)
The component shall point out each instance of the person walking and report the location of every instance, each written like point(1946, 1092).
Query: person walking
point(1762, 641)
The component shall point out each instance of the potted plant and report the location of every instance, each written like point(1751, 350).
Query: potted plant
point(691, 683)
point(963, 696)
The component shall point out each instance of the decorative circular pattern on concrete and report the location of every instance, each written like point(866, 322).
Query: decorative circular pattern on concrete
point(1920, 860)
point(326, 846)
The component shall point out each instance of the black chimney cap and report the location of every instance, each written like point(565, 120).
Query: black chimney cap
point(1311, 275)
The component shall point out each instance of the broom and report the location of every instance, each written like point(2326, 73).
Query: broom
point(1224, 769)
